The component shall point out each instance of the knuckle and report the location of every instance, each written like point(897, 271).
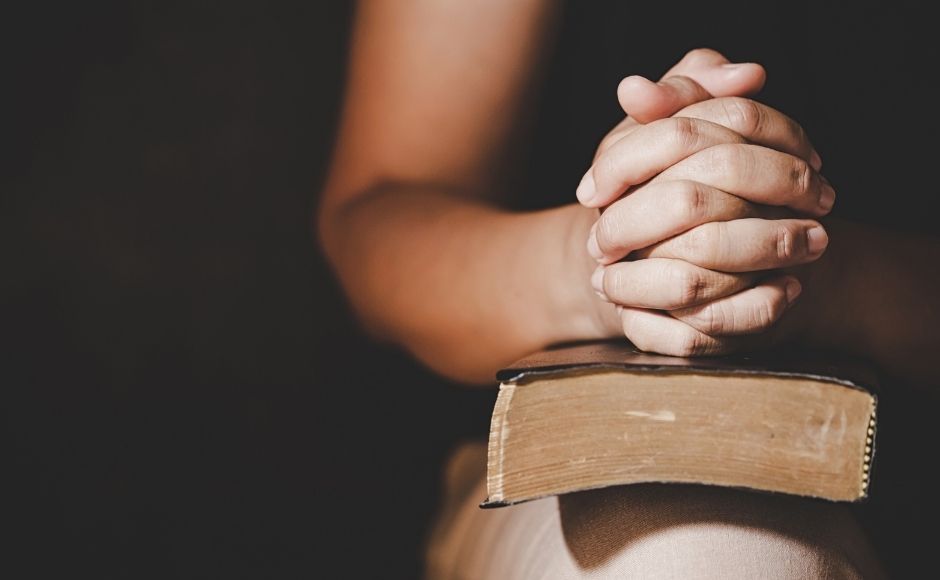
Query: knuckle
point(685, 133)
point(728, 158)
point(786, 244)
point(686, 342)
point(683, 83)
point(707, 319)
point(742, 115)
point(690, 286)
point(801, 175)
point(691, 202)
point(703, 243)
point(764, 314)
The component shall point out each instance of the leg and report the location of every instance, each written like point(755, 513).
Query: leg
point(644, 531)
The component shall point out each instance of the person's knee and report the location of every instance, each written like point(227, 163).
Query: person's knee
point(697, 532)
point(651, 531)
point(709, 550)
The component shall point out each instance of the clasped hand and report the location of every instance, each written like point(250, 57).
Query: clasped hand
point(709, 201)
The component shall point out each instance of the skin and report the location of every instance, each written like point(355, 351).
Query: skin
point(410, 218)
point(705, 210)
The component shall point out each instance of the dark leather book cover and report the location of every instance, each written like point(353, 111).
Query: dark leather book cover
point(620, 354)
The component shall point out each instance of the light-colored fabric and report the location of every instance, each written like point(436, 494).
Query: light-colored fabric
point(641, 531)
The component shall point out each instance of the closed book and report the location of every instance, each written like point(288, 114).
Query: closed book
point(593, 415)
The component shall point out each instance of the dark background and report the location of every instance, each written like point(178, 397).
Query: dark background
point(186, 393)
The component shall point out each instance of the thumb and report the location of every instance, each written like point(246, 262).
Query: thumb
point(646, 101)
point(700, 75)
point(717, 75)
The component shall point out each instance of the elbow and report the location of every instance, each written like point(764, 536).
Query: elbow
point(327, 232)
point(323, 221)
point(344, 223)
point(453, 361)
point(349, 229)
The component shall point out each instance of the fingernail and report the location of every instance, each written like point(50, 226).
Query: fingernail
point(586, 189)
point(828, 196)
point(815, 160)
point(597, 282)
point(733, 65)
point(593, 247)
point(816, 240)
point(793, 289)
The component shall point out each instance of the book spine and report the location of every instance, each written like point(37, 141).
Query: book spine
point(499, 429)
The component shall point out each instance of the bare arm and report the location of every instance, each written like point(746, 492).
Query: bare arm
point(407, 218)
point(425, 260)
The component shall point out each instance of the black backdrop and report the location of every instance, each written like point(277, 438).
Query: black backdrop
point(185, 393)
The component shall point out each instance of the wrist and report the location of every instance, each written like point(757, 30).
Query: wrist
point(580, 314)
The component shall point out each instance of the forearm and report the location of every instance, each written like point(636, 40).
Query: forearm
point(882, 300)
point(464, 286)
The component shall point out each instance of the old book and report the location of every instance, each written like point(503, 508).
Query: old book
point(600, 414)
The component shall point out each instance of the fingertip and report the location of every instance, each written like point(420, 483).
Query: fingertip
point(752, 70)
point(587, 190)
point(696, 59)
point(703, 56)
point(816, 240)
point(647, 101)
point(754, 76)
point(635, 92)
point(734, 79)
point(793, 289)
point(633, 83)
point(815, 161)
point(827, 197)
